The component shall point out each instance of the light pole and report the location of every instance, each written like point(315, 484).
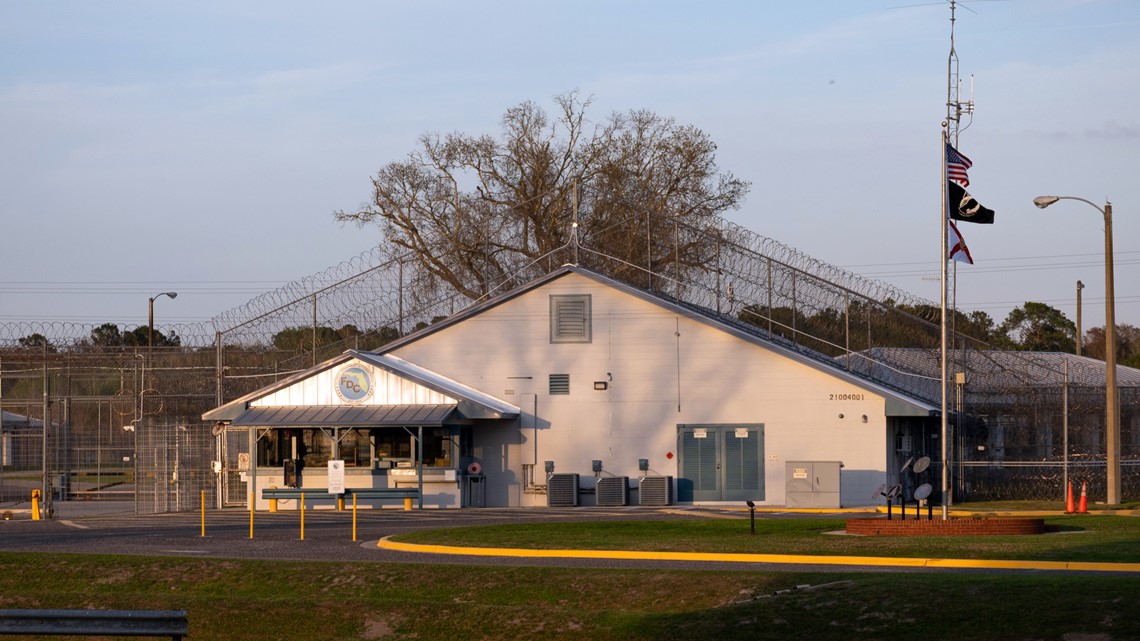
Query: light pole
point(150, 318)
point(1112, 405)
point(1080, 286)
point(146, 370)
point(150, 345)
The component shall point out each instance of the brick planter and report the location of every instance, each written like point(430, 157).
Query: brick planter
point(951, 527)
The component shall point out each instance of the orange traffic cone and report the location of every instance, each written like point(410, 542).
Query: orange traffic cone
point(1069, 507)
point(1083, 507)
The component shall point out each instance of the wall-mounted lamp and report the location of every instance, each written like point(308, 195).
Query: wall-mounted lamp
point(601, 386)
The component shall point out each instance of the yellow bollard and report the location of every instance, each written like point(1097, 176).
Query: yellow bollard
point(251, 506)
point(272, 501)
point(302, 516)
point(340, 502)
point(35, 505)
point(407, 505)
point(353, 517)
point(203, 513)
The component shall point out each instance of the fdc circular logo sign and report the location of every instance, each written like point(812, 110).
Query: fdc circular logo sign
point(354, 384)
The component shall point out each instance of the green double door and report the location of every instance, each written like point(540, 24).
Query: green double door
point(720, 462)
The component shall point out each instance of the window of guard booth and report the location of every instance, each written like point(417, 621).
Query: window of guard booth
point(441, 445)
point(355, 448)
point(315, 448)
point(273, 447)
point(394, 444)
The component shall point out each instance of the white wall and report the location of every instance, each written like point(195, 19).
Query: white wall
point(662, 370)
point(320, 389)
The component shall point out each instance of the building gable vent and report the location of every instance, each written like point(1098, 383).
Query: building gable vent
point(559, 383)
point(570, 319)
point(562, 490)
point(656, 490)
point(613, 490)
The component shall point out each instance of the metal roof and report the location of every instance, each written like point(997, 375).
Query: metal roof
point(345, 416)
point(10, 419)
point(992, 368)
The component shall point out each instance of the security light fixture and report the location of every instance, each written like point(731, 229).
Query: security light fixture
point(1111, 399)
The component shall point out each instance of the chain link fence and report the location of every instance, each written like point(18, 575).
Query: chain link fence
point(85, 420)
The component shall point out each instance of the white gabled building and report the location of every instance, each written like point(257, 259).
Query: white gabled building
point(587, 376)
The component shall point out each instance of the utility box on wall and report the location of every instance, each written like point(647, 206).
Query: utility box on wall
point(812, 484)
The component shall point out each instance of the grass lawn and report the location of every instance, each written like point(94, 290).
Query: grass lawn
point(262, 600)
point(1082, 538)
point(248, 600)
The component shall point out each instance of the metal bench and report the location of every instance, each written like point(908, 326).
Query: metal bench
point(382, 492)
point(99, 623)
point(283, 493)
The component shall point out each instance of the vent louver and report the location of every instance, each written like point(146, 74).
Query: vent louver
point(559, 383)
point(613, 490)
point(656, 490)
point(562, 490)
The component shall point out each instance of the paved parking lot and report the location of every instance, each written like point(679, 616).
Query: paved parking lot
point(328, 534)
point(328, 537)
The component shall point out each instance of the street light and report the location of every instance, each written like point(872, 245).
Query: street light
point(150, 321)
point(146, 368)
point(150, 342)
point(1080, 286)
point(1112, 405)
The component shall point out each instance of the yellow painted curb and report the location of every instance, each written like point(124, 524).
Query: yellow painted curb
point(792, 559)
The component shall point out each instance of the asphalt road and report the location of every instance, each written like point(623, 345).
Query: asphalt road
point(328, 536)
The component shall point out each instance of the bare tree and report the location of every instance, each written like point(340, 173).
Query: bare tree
point(474, 211)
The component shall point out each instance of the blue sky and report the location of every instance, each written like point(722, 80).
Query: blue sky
point(202, 147)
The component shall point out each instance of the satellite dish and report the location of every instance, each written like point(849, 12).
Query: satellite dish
point(907, 464)
point(894, 491)
point(922, 492)
point(921, 464)
point(879, 491)
point(217, 429)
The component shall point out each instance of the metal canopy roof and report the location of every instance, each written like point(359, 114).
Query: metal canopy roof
point(345, 416)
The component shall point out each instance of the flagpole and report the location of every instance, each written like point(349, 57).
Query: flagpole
point(943, 260)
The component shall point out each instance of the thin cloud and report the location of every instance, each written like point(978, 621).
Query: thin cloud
point(1112, 131)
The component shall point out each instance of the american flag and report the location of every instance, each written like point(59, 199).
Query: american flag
point(956, 166)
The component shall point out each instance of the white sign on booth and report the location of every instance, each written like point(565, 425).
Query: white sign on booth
point(336, 477)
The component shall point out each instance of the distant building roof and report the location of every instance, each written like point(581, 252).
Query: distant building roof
point(19, 420)
point(989, 368)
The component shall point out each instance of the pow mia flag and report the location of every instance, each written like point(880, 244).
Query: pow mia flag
point(963, 206)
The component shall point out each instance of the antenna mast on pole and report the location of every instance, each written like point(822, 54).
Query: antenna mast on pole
point(955, 107)
point(951, 128)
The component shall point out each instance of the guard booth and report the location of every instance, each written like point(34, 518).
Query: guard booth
point(392, 430)
point(813, 484)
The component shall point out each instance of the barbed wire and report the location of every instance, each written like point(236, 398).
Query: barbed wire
point(374, 297)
